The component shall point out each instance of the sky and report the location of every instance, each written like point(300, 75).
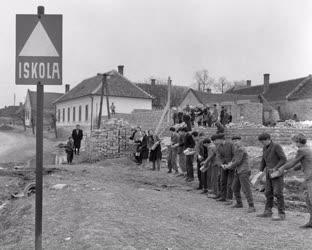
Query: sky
point(238, 39)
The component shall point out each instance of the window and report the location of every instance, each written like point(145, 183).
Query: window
point(74, 114)
point(68, 114)
point(87, 113)
point(63, 115)
point(79, 113)
point(58, 115)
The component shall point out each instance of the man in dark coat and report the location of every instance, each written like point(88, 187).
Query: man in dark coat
point(77, 135)
point(272, 159)
point(225, 155)
point(189, 143)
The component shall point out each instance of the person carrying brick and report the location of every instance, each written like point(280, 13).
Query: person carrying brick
point(242, 174)
point(272, 159)
point(304, 157)
point(173, 151)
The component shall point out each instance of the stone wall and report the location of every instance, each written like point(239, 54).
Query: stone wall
point(111, 141)
point(250, 135)
point(249, 111)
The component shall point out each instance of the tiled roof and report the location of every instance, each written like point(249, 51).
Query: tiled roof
point(276, 92)
point(160, 93)
point(48, 99)
point(304, 92)
point(205, 97)
point(118, 86)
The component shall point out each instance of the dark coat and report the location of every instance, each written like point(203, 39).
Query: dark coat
point(189, 141)
point(144, 147)
point(77, 137)
point(225, 152)
point(240, 161)
point(273, 157)
point(156, 153)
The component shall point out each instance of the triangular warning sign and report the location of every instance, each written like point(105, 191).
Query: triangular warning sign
point(39, 44)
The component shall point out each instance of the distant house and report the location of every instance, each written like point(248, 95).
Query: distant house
point(48, 107)
point(241, 107)
point(160, 93)
point(287, 97)
point(81, 104)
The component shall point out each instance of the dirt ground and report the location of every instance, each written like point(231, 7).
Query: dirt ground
point(115, 205)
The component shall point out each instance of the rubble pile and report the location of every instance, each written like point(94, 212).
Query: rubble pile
point(294, 124)
point(244, 124)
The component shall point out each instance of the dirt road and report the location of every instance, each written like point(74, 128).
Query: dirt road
point(113, 205)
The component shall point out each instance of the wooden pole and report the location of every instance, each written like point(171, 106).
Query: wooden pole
point(101, 100)
point(169, 99)
point(39, 157)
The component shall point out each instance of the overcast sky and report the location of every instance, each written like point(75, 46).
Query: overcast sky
point(238, 39)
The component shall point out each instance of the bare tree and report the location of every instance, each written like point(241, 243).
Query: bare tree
point(222, 85)
point(203, 80)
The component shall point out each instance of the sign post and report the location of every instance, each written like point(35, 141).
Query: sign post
point(38, 62)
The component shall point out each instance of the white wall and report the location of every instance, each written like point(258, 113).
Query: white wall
point(122, 104)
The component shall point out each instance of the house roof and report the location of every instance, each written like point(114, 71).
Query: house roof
point(278, 91)
point(160, 93)
point(204, 97)
point(118, 86)
point(48, 99)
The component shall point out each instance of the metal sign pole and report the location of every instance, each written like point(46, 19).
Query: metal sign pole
point(39, 158)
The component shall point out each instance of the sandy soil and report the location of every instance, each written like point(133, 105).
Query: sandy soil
point(115, 205)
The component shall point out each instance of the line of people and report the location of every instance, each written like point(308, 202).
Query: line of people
point(203, 116)
point(223, 169)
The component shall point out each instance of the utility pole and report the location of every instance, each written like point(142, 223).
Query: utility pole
point(169, 99)
point(104, 85)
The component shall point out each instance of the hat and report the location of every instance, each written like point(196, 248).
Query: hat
point(206, 141)
point(264, 137)
point(217, 136)
point(300, 138)
point(236, 137)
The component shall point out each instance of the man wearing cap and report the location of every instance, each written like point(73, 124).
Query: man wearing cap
point(225, 153)
point(201, 155)
point(189, 143)
point(304, 157)
point(180, 147)
point(173, 151)
point(212, 163)
point(272, 159)
point(242, 173)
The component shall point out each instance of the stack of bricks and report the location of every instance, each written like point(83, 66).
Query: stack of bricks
point(111, 141)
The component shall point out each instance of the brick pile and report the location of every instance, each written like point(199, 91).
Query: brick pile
point(111, 141)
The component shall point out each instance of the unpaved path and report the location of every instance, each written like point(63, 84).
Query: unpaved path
point(113, 205)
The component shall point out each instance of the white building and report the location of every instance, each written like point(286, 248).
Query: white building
point(81, 104)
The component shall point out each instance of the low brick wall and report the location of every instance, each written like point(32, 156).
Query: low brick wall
point(111, 141)
point(250, 135)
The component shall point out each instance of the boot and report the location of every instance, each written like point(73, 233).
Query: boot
point(228, 203)
point(199, 188)
point(204, 191)
point(265, 214)
point(237, 205)
point(251, 209)
point(279, 217)
point(221, 199)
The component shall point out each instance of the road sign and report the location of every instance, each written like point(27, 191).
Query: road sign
point(38, 49)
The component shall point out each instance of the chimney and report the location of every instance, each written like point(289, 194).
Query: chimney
point(248, 83)
point(121, 69)
point(266, 82)
point(208, 90)
point(153, 82)
point(67, 86)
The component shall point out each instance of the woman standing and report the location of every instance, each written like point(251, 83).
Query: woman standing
point(144, 148)
point(155, 153)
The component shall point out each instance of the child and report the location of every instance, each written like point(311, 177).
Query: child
point(69, 149)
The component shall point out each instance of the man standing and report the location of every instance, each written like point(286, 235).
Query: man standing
point(222, 113)
point(113, 109)
point(180, 147)
point(77, 136)
point(201, 155)
point(173, 151)
point(242, 173)
point(187, 120)
point(304, 156)
point(225, 155)
point(272, 159)
point(189, 144)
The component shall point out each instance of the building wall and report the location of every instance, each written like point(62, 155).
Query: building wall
point(190, 99)
point(123, 105)
point(303, 109)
